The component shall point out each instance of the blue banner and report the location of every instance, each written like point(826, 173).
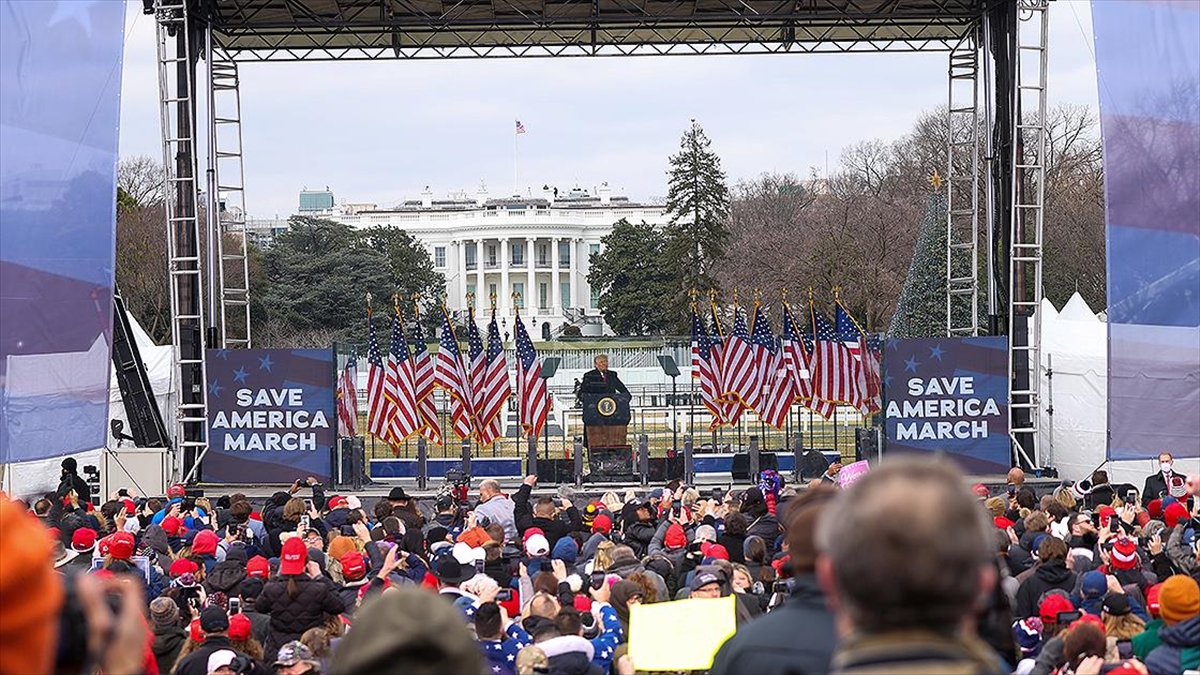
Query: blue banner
point(271, 416)
point(60, 86)
point(949, 395)
point(1148, 64)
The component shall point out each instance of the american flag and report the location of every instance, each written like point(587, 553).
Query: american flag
point(431, 427)
point(737, 364)
point(732, 408)
point(835, 371)
point(520, 127)
point(766, 357)
point(379, 410)
point(476, 373)
point(795, 357)
point(398, 387)
point(347, 398)
point(493, 399)
point(855, 339)
point(704, 367)
point(533, 399)
point(451, 375)
point(779, 388)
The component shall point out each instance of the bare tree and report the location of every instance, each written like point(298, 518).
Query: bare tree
point(141, 267)
point(142, 178)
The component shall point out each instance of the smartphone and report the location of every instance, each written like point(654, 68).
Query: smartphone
point(504, 595)
point(479, 566)
point(597, 579)
point(677, 510)
point(1012, 489)
point(718, 494)
point(1131, 496)
point(1114, 525)
point(235, 606)
point(308, 505)
point(304, 523)
point(1066, 618)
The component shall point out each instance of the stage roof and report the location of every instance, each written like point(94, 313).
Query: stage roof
point(301, 30)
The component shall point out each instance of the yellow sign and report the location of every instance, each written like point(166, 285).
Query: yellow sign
point(680, 635)
point(606, 406)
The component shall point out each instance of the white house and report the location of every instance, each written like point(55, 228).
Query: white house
point(537, 248)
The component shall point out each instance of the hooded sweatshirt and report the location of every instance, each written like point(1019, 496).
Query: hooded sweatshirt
point(1046, 576)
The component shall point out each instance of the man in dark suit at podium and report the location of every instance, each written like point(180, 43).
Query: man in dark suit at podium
point(601, 380)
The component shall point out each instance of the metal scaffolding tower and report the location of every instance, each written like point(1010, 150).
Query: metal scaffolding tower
point(227, 196)
point(962, 188)
point(176, 85)
point(1028, 202)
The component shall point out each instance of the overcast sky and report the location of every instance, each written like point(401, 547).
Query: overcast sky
point(381, 131)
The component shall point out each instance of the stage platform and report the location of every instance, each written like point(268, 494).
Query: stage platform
point(994, 482)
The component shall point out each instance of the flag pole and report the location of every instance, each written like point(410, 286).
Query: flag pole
point(516, 154)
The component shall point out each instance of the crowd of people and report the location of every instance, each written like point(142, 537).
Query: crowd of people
point(907, 571)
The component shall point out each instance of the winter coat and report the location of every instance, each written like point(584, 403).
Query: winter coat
point(500, 510)
point(570, 655)
point(627, 566)
point(167, 643)
point(765, 526)
point(638, 535)
point(915, 652)
point(588, 550)
point(798, 637)
point(290, 617)
point(1046, 577)
point(735, 545)
point(226, 577)
point(260, 625)
point(1147, 641)
point(336, 518)
point(1179, 651)
point(196, 663)
point(553, 528)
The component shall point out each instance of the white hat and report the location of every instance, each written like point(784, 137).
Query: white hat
point(463, 554)
point(353, 502)
point(537, 545)
point(220, 659)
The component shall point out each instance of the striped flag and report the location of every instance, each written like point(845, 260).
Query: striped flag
point(398, 387)
point(780, 390)
point(379, 410)
point(835, 371)
point(704, 367)
point(520, 127)
point(476, 360)
point(855, 340)
point(532, 397)
point(737, 364)
point(795, 357)
point(766, 357)
point(493, 398)
point(347, 398)
point(451, 375)
point(431, 427)
point(732, 409)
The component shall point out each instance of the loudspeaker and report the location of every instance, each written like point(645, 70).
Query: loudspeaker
point(740, 468)
point(813, 464)
point(556, 471)
point(664, 469)
point(866, 444)
point(606, 462)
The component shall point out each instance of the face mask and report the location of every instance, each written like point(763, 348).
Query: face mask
point(1165, 466)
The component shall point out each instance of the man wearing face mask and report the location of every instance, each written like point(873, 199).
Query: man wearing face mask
point(1156, 484)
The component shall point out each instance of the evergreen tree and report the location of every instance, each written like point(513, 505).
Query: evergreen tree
point(634, 285)
point(921, 309)
point(698, 204)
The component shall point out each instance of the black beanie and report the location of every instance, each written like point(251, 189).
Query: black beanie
point(70, 465)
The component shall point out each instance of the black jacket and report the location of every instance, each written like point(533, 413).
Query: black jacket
point(735, 545)
point(290, 617)
point(595, 382)
point(73, 481)
point(226, 576)
point(167, 643)
point(1046, 577)
point(1155, 488)
point(796, 638)
point(554, 528)
point(196, 663)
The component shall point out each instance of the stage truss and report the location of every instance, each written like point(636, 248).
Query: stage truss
point(230, 33)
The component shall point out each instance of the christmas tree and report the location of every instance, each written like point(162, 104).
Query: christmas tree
point(921, 310)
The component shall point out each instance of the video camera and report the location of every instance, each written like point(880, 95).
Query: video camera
point(458, 484)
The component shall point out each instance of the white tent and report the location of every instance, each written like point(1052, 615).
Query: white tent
point(33, 478)
point(1074, 371)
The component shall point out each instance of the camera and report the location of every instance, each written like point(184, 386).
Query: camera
point(459, 485)
point(504, 595)
point(1065, 618)
point(235, 606)
point(597, 579)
